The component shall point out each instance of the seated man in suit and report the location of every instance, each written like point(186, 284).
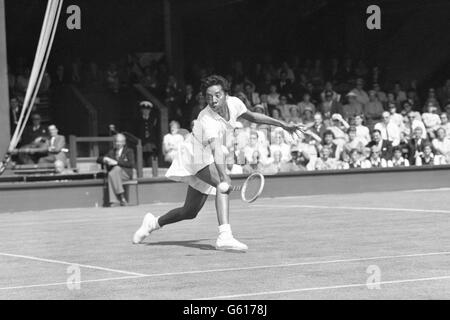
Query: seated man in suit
point(120, 163)
point(416, 145)
point(33, 144)
point(56, 147)
point(383, 146)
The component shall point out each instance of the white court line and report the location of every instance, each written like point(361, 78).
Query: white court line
point(266, 293)
point(70, 264)
point(353, 208)
point(65, 283)
point(287, 265)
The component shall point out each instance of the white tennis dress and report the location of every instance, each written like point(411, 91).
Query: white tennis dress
point(194, 153)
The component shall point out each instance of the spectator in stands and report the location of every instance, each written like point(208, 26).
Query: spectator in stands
point(380, 95)
point(441, 145)
point(391, 99)
point(328, 141)
point(416, 145)
point(400, 95)
point(232, 167)
point(299, 161)
point(389, 130)
point(120, 163)
point(284, 85)
point(357, 161)
point(279, 144)
point(294, 116)
point(255, 145)
point(445, 123)
point(264, 102)
point(352, 108)
point(431, 120)
point(362, 132)
point(398, 160)
point(45, 83)
point(306, 103)
point(376, 160)
point(251, 94)
point(329, 104)
point(384, 146)
point(56, 147)
point(354, 143)
point(187, 105)
point(373, 110)
point(426, 157)
point(147, 129)
point(254, 163)
point(414, 121)
point(172, 141)
point(431, 98)
point(339, 128)
point(318, 126)
point(284, 107)
point(404, 145)
point(329, 88)
point(360, 93)
point(326, 160)
point(14, 107)
point(308, 117)
point(396, 118)
point(34, 131)
point(273, 98)
point(406, 108)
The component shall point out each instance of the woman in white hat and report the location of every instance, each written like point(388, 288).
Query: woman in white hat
point(201, 161)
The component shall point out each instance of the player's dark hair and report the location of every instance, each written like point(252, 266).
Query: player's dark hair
point(214, 80)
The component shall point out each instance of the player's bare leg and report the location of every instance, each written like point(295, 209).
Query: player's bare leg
point(192, 205)
point(225, 241)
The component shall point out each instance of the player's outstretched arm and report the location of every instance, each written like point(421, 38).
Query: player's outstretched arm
point(263, 119)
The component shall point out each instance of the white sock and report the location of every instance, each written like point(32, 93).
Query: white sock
point(225, 229)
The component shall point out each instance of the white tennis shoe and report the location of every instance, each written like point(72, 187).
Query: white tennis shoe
point(149, 224)
point(226, 242)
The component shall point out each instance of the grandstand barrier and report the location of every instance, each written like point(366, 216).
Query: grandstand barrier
point(18, 196)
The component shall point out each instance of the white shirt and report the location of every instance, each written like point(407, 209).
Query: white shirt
point(363, 133)
point(389, 132)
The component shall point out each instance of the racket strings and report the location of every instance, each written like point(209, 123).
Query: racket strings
point(252, 187)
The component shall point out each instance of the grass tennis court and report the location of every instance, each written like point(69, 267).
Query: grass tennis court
point(311, 247)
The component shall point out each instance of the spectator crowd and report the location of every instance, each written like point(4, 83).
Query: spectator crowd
point(354, 118)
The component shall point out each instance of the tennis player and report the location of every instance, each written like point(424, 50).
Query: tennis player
point(200, 162)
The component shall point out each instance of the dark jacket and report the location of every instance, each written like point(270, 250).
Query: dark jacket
point(126, 160)
point(414, 146)
point(386, 149)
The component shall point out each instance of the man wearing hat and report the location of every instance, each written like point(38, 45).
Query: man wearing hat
point(147, 128)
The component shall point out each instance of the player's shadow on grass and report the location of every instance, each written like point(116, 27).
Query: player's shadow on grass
point(187, 243)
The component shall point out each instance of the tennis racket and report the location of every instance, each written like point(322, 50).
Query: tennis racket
point(252, 188)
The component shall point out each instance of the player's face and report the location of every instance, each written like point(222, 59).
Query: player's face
point(215, 97)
